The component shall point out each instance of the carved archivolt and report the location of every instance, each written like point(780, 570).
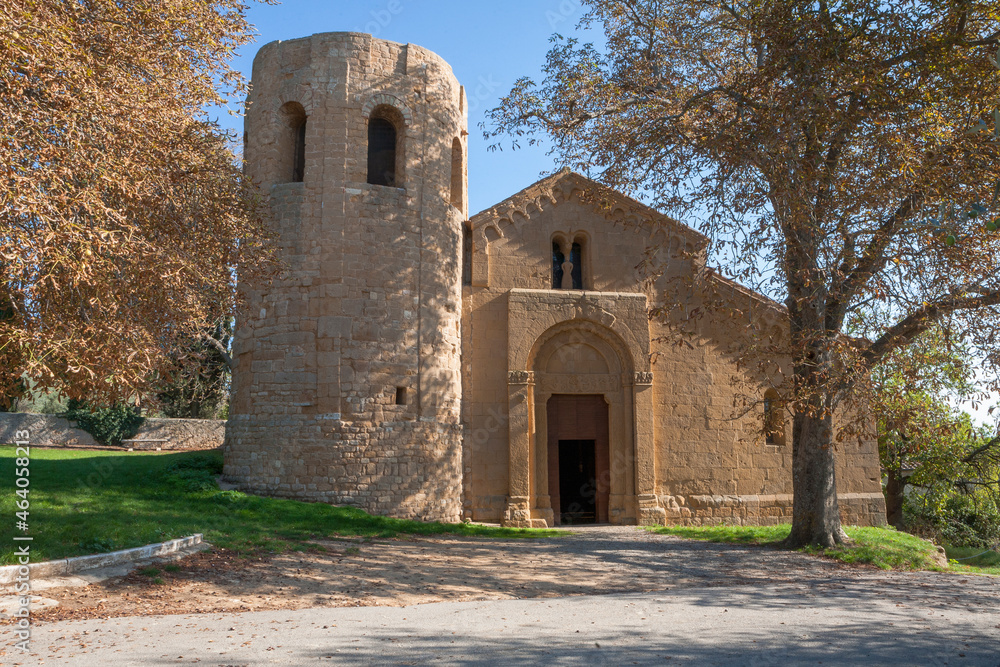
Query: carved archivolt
point(617, 353)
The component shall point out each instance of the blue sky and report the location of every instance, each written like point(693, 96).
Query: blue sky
point(488, 44)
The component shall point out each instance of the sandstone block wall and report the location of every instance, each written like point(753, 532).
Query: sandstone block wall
point(359, 341)
point(182, 433)
point(409, 470)
point(709, 463)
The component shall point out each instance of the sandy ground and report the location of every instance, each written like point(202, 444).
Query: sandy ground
point(405, 572)
point(499, 598)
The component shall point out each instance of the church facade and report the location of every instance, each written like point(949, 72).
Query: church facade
point(517, 366)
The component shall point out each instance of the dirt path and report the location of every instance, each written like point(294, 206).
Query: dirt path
point(593, 561)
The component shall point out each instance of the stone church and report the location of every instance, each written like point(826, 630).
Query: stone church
point(417, 362)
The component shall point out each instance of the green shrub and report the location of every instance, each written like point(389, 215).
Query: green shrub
point(192, 480)
point(108, 426)
point(208, 461)
point(961, 520)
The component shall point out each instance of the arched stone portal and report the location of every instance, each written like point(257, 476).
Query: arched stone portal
point(578, 452)
point(573, 364)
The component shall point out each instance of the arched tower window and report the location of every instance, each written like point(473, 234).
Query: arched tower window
point(558, 259)
point(576, 256)
point(774, 418)
point(292, 144)
point(457, 174)
point(385, 147)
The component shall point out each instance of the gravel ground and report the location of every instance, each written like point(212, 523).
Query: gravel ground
point(602, 596)
point(591, 561)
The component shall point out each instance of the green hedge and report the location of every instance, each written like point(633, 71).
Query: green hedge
point(108, 426)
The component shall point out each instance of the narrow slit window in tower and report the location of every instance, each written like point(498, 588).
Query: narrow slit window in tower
point(299, 163)
point(292, 144)
point(381, 152)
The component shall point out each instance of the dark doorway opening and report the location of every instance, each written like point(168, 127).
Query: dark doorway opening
point(577, 481)
point(579, 464)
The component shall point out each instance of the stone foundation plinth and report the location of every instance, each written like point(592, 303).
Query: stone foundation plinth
point(856, 509)
point(409, 470)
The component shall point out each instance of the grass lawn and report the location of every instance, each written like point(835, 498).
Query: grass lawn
point(885, 548)
point(85, 502)
point(973, 561)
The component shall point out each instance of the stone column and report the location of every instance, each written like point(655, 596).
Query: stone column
point(543, 509)
point(650, 512)
point(520, 385)
point(618, 445)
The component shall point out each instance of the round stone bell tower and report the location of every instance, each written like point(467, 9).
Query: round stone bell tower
point(347, 386)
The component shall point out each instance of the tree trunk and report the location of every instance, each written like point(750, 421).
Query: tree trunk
point(815, 513)
point(894, 497)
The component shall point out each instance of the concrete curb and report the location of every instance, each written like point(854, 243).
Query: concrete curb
point(57, 568)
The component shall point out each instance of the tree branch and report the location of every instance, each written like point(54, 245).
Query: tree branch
point(873, 259)
point(979, 450)
point(221, 349)
point(904, 331)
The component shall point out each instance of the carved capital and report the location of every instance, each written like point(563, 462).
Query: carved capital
point(643, 378)
point(520, 377)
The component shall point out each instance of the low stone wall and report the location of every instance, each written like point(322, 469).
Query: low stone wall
point(175, 434)
point(856, 509)
point(182, 433)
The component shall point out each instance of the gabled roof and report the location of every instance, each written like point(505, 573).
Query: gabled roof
point(613, 206)
point(559, 187)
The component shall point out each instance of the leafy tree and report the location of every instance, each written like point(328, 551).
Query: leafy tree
point(123, 211)
point(927, 443)
point(827, 141)
point(198, 387)
point(11, 389)
point(958, 503)
point(921, 435)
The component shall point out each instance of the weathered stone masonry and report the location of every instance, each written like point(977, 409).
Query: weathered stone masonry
point(414, 362)
point(349, 381)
